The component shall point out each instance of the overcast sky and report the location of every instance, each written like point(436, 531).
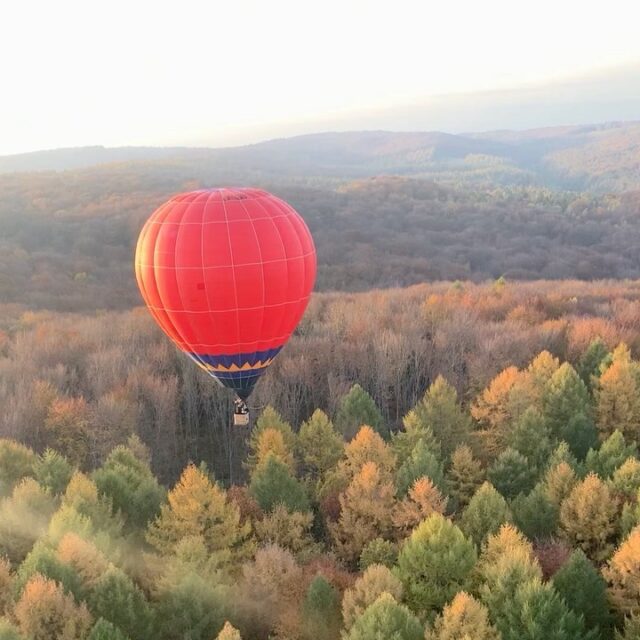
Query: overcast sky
point(234, 71)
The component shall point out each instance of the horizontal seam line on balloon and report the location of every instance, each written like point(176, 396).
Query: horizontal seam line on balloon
point(224, 266)
point(246, 373)
point(174, 200)
point(219, 221)
point(262, 306)
point(226, 344)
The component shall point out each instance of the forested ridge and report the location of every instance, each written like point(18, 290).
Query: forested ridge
point(68, 239)
point(444, 461)
point(599, 157)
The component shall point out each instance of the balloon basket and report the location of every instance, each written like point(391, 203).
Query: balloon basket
point(240, 419)
point(240, 413)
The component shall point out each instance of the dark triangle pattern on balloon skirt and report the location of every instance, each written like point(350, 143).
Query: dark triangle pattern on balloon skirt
point(238, 372)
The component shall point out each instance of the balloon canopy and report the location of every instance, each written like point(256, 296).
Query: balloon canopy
point(227, 274)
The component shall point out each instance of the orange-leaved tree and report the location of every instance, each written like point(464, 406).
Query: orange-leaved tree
point(199, 508)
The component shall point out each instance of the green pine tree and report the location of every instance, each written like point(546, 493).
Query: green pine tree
point(591, 361)
point(189, 606)
point(562, 453)
point(511, 474)
point(441, 413)
point(567, 410)
point(358, 408)
point(131, 486)
point(385, 619)
point(535, 514)
point(321, 610)
point(320, 446)
point(506, 563)
point(434, 564)
point(118, 600)
point(421, 462)
point(531, 438)
point(539, 613)
point(53, 471)
point(104, 630)
point(585, 592)
point(378, 551)
point(464, 476)
point(414, 430)
point(613, 452)
point(486, 512)
point(272, 484)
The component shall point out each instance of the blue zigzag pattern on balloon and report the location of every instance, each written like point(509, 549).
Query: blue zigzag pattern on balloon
point(238, 372)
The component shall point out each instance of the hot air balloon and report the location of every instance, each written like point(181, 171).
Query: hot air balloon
point(227, 274)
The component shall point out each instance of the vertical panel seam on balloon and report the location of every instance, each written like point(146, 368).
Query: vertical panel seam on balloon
point(301, 306)
point(284, 250)
point(143, 241)
point(157, 315)
point(276, 202)
point(170, 321)
point(304, 266)
point(263, 281)
point(233, 271)
point(175, 254)
point(173, 324)
point(204, 280)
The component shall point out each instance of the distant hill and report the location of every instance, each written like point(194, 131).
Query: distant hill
point(386, 209)
point(604, 157)
point(81, 157)
point(323, 153)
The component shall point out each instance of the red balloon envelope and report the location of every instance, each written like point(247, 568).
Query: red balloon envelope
point(227, 274)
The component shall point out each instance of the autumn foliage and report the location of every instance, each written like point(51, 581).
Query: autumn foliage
point(482, 496)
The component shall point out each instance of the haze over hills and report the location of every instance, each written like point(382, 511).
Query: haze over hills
point(68, 238)
point(601, 157)
point(385, 208)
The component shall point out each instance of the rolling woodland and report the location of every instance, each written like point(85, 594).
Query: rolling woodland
point(447, 448)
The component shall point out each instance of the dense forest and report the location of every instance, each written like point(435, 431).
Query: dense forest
point(68, 238)
point(114, 374)
point(479, 480)
point(446, 449)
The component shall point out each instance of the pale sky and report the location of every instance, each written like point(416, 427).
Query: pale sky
point(230, 71)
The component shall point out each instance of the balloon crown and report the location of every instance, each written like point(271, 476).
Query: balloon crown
point(227, 193)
